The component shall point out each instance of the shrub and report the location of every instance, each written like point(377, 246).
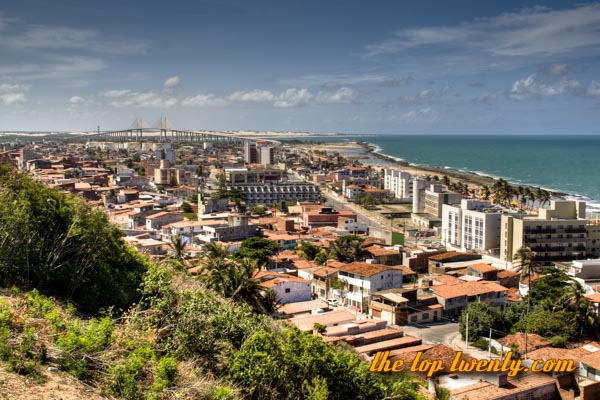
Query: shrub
point(79, 345)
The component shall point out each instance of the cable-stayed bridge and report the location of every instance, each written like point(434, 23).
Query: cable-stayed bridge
point(163, 131)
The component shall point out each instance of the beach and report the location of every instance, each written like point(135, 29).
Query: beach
point(366, 154)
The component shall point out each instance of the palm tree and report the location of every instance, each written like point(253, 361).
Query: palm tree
point(485, 193)
point(235, 280)
point(177, 248)
point(525, 266)
point(583, 311)
point(524, 263)
point(543, 196)
point(446, 180)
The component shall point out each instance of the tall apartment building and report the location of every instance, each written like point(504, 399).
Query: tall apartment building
point(399, 183)
point(259, 152)
point(436, 197)
point(164, 152)
point(472, 225)
point(165, 175)
point(419, 186)
point(557, 233)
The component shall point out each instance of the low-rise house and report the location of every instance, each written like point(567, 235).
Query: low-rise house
point(327, 319)
point(322, 281)
point(530, 386)
point(235, 228)
point(384, 255)
point(437, 263)
point(284, 240)
point(326, 216)
point(455, 297)
point(363, 278)
point(483, 271)
point(405, 306)
point(508, 278)
point(158, 220)
point(288, 288)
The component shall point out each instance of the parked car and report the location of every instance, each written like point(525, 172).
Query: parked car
point(332, 302)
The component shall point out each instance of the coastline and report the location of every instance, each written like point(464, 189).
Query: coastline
point(362, 150)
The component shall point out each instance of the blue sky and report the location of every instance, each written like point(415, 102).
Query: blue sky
point(407, 67)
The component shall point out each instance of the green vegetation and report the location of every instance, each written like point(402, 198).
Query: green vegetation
point(207, 338)
point(54, 242)
point(258, 249)
point(179, 335)
point(346, 248)
point(555, 308)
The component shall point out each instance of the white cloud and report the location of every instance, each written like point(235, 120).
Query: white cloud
point(594, 89)
point(116, 93)
point(148, 99)
point(293, 98)
point(256, 96)
point(342, 95)
point(204, 100)
point(13, 93)
point(76, 100)
point(172, 82)
point(56, 37)
point(531, 86)
point(424, 95)
point(531, 32)
point(421, 115)
point(559, 69)
point(55, 67)
point(337, 79)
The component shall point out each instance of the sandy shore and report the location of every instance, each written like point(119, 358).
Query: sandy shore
point(366, 155)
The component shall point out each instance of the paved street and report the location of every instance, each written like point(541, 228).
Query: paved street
point(366, 217)
point(444, 333)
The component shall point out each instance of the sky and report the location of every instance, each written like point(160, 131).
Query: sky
point(358, 67)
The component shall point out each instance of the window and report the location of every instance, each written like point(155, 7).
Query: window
point(287, 290)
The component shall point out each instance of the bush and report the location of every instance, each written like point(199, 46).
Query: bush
point(54, 242)
point(559, 341)
point(27, 356)
point(80, 345)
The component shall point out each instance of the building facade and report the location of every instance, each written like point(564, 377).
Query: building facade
point(399, 183)
point(472, 225)
point(557, 233)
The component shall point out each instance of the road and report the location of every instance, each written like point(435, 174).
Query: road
point(446, 333)
point(369, 218)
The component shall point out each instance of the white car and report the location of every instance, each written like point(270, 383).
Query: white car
point(332, 302)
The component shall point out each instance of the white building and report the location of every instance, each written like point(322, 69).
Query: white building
point(472, 225)
point(436, 197)
point(287, 288)
point(164, 152)
point(399, 183)
point(363, 278)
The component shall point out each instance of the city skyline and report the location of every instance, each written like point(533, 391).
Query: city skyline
point(430, 67)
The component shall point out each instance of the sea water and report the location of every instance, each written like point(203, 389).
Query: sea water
point(566, 164)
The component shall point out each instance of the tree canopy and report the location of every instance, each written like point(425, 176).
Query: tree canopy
point(54, 242)
point(257, 248)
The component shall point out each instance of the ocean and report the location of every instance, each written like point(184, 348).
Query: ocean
point(565, 164)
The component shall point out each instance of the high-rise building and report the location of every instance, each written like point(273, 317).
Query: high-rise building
point(472, 225)
point(250, 153)
point(259, 152)
point(557, 233)
point(399, 183)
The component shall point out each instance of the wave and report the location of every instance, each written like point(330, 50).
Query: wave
point(592, 206)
